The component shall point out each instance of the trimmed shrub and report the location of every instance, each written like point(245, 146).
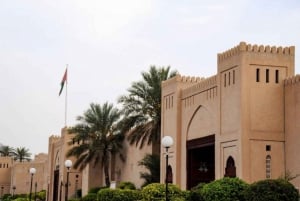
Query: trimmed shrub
point(41, 195)
point(195, 193)
point(126, 185)
point(74, 199)
point(90, 197)
point(21, 199)
point(157, 192)
point(118, 195)
point(272, 190)
point(95, 189)
point(226, 189)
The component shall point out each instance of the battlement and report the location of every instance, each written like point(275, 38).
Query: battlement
point(182, 79)
point(203, 85)
point(292, 80)
point(54, 138)
point(243, 47)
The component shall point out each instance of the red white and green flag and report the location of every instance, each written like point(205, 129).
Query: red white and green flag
point(63, 81)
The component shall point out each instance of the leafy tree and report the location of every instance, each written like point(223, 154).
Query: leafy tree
point(6, 151)
point(152, 163)
point(99, 137)
point(21, 154)
point(142, 107)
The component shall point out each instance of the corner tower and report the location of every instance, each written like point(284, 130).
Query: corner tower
point(252, 108)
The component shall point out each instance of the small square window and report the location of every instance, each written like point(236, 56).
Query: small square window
point(268, 147)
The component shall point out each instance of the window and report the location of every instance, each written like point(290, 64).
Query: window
point(230, 170)
point(229, 78)
point(268, 147)
point(233, 77)
point(225, 80)
point(277, 76)
point(257, 75)
point(268, 167)
point(267, 75)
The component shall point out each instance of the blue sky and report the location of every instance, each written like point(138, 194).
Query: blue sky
point(107, 45)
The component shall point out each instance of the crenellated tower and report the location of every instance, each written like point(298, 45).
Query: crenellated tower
point(252, 106)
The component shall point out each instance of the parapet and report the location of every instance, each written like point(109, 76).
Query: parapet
point(243, 47)
point(292, 80)
point(201, 86)
point(182, 79)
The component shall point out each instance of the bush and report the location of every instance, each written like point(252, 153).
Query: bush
point(74, 199)
point(272, 190)
point(157, 192)
point(226, 189)
point(90, 197)
point(195, 193)
point(95, 189)
point(41, 195)
point(118, 195)
point(126, 185)
point(21, 199)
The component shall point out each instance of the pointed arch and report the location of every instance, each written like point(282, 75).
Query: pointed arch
point(230, 170)
point(201, 124)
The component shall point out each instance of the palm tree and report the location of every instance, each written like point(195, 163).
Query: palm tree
point(142, 108)
point(152, 163)
point(99, 137)
point(6, 151)
point(21, 154)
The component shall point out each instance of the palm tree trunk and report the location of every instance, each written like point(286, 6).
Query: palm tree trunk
point(106, 175)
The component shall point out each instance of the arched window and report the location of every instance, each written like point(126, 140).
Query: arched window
point(268, 167)
point(230, 170)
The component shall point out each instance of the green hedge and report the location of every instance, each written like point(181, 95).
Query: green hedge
point(272, 190)
point(90, 197)
point(157, 192)
point(126, 185)
point(118, 195)
point(195, 193)
point(226, 189)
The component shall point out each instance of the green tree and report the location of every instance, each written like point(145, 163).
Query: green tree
point(99, 137)
point(152, 163)
point(142, 108)
point(21, 154)
point(6, 151)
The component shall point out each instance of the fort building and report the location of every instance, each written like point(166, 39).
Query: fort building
point(242, 122)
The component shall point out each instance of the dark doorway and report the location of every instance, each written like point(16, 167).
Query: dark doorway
point(200, 161)
point(55, 185)
point(230, 170)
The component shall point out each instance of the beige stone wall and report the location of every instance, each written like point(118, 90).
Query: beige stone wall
point(292, 128)
point(129, 170)
point(5, 174)
point(21, 178)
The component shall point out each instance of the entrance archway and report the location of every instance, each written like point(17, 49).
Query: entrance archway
point(200, 161)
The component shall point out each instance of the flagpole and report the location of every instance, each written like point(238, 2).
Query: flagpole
point(66, 98)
